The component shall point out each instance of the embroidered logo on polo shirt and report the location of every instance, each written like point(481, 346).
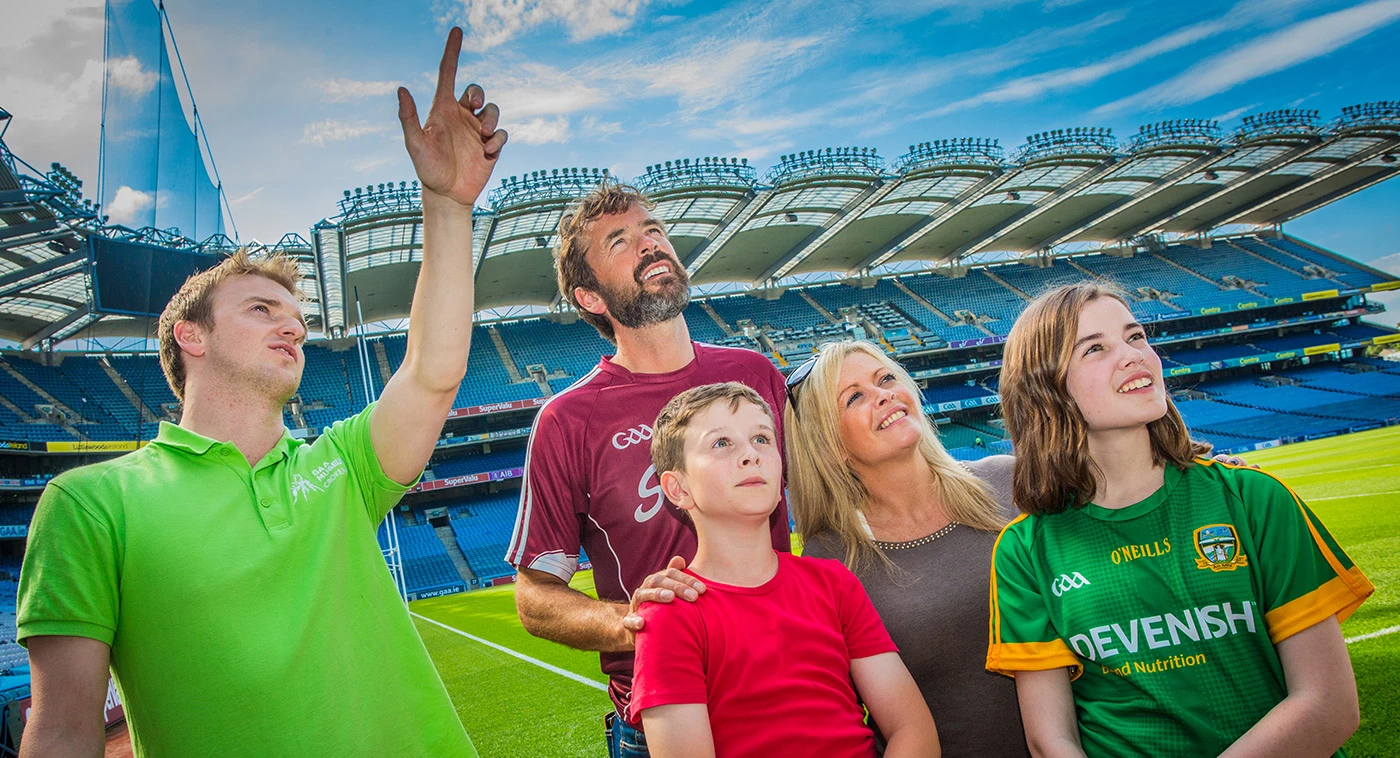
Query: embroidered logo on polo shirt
point(302, 487)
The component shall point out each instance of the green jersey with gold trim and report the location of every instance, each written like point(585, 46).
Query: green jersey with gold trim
point(1168, 610)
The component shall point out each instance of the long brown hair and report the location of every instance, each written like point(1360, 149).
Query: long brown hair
point(824, 492)
point(1053, 470)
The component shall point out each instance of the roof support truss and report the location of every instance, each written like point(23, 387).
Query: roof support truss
point(1233, 217)
point(1045, 203)
point(853, 210)
point(972, 194)
point(1162, 183)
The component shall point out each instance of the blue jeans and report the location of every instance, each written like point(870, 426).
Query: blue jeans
point(624, 741)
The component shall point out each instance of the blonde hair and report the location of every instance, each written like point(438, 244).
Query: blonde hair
point(1053, 470)
point(825, 493)
point(571, 253)
point(668, 432)
point(195, 302)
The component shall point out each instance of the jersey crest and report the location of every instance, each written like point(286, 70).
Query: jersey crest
point(1219, 548)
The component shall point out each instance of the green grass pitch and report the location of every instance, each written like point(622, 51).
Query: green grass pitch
point(515, 708)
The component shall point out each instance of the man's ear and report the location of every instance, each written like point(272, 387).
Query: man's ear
point(190, 337)
point(590, 301)
point(674, 485)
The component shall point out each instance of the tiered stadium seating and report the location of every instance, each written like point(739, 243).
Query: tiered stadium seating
point(948, 392)
point(483, 530)
point(573, 348)
point(1208, 353)
point(702, 327)
point(426, 564)
point(976, 292)
point(480, 463)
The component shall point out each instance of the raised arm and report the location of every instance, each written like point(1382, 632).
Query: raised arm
point(69, 690)
point(680, 731)
point(550, 608)
point(1047, 711)
point(897, 706)
point(453, 153)
point(1320, 712)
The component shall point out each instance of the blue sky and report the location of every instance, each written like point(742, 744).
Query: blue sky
point(298, 100)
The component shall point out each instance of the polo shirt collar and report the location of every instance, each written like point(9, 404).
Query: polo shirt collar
point(180, 438)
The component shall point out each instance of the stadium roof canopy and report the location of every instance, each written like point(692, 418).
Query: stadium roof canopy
point(845, 211)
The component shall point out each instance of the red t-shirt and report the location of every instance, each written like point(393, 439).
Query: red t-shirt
point(589, 479)
point(771, 663)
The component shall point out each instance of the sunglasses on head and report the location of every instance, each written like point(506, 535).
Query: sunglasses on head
point(795, 380)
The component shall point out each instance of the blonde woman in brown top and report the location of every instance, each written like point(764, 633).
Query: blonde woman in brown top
point(870, 484)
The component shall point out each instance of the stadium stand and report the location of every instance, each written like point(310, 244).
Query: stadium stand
point(426, 565)
point(1217, 306)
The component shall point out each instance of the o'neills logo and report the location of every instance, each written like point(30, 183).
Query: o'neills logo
point(1134, 552)
point(629, 437)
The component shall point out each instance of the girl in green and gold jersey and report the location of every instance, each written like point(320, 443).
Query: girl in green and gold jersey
point(1149, 601)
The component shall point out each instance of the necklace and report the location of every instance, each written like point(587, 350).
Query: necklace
point(918, 542)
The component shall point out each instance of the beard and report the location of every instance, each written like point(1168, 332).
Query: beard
point(637, 308)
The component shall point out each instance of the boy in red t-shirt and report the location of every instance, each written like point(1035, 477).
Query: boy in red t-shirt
point(778, 653)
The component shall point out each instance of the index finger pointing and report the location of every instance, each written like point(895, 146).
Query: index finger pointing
point(447, 69)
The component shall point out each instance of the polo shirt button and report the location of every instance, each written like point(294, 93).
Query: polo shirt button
point(224, 452)
point(266, 503)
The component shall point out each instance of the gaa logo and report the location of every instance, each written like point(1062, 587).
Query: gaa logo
point(636, 435)
point(1066, 583)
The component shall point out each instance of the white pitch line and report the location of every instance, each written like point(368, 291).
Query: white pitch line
point(1373, 635)
point(1348, 497)
point(521, 656)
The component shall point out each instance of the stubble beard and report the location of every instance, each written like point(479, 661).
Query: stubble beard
point(256, 380)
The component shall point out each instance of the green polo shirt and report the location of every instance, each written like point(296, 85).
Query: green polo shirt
point(248, 609)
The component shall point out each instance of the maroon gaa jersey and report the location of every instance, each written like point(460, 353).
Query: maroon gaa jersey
point(589, 479)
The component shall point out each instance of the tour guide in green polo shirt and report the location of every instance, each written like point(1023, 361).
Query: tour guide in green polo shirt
point(229, 574)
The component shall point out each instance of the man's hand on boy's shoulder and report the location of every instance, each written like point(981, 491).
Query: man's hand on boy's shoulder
point(662, 587)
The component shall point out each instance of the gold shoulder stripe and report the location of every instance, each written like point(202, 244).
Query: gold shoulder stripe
point(994, 618)
point(1357, 582)
point(1336, 597)
point(1008, 658)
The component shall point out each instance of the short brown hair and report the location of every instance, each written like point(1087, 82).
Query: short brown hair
point(1053, 469)
point(571, 254)
point(195, 302)
point(668, 433)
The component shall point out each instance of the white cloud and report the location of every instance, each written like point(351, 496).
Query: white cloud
point(127, 75)
point(1038, 85)
point(320, 132)
point(342, 90)
point(718, 71)
point(1283, 49)
point(247, 197)
point(541, 131)
point(1234, 113)
point(526, 89)
point(127, 204)
point(596, 127)
point(369, 164)
point(489, 23)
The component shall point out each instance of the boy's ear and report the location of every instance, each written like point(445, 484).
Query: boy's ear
point(674, 485)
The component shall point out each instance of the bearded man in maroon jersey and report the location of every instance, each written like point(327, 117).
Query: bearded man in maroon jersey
point(589, 479)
